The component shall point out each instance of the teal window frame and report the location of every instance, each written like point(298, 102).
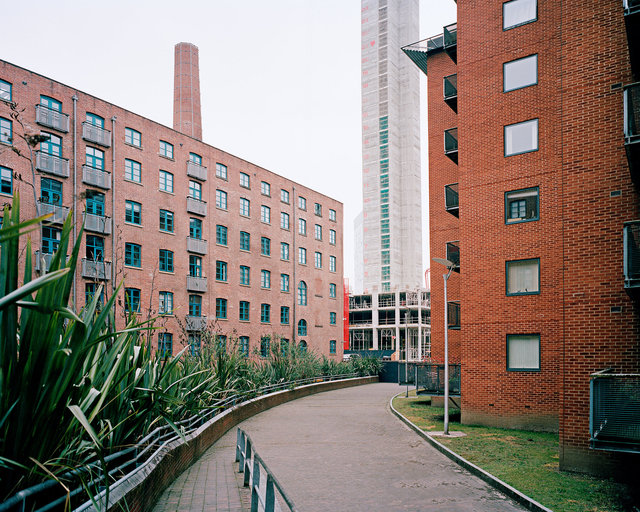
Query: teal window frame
point(302, 293)
point(52, 146)
point(302, 203)
point(195, 305)
point(302, 256)
point(95, 120)
point(221, 271)
point(317, 232)
point(6, 180)
point(221, 199)
point(317, 209)
point(522, 203)
point(520, 23)
point(284, 220)
point(332, 237)
point(265, 346)
point(95, 202)
point(303, 346)
point(507, 66)
point(265, 214)
point(221, 171)
point(195, 158)
point(165, 258)
point(6, 131)
point(245, 275)
point(132, 300)
point(244, 309)
point(132, 137)
point(50, 239)
point(245, 180)
point(195, 228)
point(514, 337)
point(94, 248)
point(195, 190)
point(195, 266)
point(50, 103)
point(284, 251)
point(133, 212)
point(284, 315)
point(302, 227)
point(94, 157)
point(332, 263)
point(221, 308)
point(302, 327)
point(221, 235)
point(534, 122)
point(132, 170)
point(332, 215)
point(90, 290)
point(332, 318)
point(6, 91)
point(332, 346)
point(244, 345)
point(265, 313)
point(265, 246)
point(318, 259)
point(265, 279)
point(332, 290)
point(166, 149)
point(245, 207)
point(265, 188)
point(166, 221)
point(245, 241)
point(195, 343)
point(132, 255)
point(284, 196)
point(165, 344)
point(51, 191)
point(165, 181)
point(506, 274)
point(165, 303)
point(284, 282)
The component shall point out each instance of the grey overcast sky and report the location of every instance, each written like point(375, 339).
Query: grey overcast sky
point(280, 79)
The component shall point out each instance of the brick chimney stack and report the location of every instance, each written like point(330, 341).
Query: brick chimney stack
point(187, 116)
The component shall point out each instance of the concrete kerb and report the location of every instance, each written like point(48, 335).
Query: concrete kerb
point(494, 482)
point(141, 488)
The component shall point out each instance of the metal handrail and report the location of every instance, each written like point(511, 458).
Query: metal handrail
point(249, 463)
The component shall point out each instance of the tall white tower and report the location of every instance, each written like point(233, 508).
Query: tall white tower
point(392, 218)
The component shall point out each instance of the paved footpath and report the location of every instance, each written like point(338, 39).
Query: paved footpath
point(337, 451)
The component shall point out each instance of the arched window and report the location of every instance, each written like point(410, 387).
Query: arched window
point(302, 328)
point(303, 346)
point(302, 293)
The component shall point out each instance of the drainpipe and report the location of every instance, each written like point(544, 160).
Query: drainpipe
point(295, 259)
point(75, 196)
point(113, 206)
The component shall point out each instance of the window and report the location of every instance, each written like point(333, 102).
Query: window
point(221, 171)
point(302, 203)
point(284, 251)
point(318, 232)
point(51, 104)
point(195, 266)
point(284, 346)
point(520, 73)
point(243, 311)
point(284, 315)
point(245, 241)
point(132, 299)
point(332, 263)
point(221, 308)
point(95, 158)
point(332, 237)
point(284, 282)
point(95, 202)
point(221, 270)
point(244, 207)
point(245, 180)
point(317, 208)
point(245, 275)
point(523, 352)
point(90, 290)
point(518, 12)
point(303, 346)
point(5, 91)
point(195, 305)
point(95, 120)
point(166, 181)
point(284, 196)
point(221, 199)
point(265, 313)
point(195, 190)
point(302, 293)
point(265, 188)
point(302, 255)
point(195, 158)
point(318, 259)
point(132, 255)
point(521, 138)
point(6, 180)
point(133, 212)
point(523, 277)
point(265, 279)
point(265, 214)
point(165, 304)
point(332, 318)
point(221, 234)
point(265, 246)
point(332, 215)
point(265, 343)
point(385, 241)
point(133, 137)
point(166, 149)
point(244, 345)
point(132, 170)
point(284, 220)
point(195, 343)
point(195, 228)
point(302, 328)
point(95, 248)
point(521, 205)
point(6, 131)
point(166, 221)
point(53, 146)
point(50, 239)
point(302, 227)
point(166, 260)
point(332, 290)
point(332, 346)
point(51, 192)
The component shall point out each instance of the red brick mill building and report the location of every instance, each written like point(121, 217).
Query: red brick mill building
point(200, 237)
point(532, 104)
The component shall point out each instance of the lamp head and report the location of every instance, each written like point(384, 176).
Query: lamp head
point(446, 263)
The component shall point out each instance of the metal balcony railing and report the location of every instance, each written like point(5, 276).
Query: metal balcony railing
point(92, 269)
point(451, 40)
point(59, 213)
point(52, 118)
point(450, 91)
point(196, 284)
point(429, 379)
point(196, 171)
point(95, 134)
point(96, 177)
point(632, 25)
point(451, 144)
point(453, 315)
point(196, 245)
point(52, 164)
point(196, 206)
point(632, 129)
point(631, 258)
point(451, 199)
point(195, 323)
point(41, 261)
point(453, 255)
point(614, 420)
point(97, 223)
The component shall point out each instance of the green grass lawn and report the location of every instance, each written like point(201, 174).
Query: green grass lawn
point(525, 460)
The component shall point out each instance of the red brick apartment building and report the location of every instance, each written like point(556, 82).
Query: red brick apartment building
point(531, 105)
point(199, 236)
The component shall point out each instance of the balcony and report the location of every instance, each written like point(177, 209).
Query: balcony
point(632, 25)
point(196, 245)
point(96, 177)
point(386, 300)
point(360, 302)
point(196, 171)
point(95, 134)
point(451, 144)
point(451, 199)
point(58, 213)
point(453, 315)
point(97, 223)
point(196, 284)
point(52, 118)
point(42, 261)
point(614, 411)
point(450, 91)
point(52, 164)
point(631, 259)
point(430, 379)
point(451, 41)
point(96, 269)
point(632, 129)
point(195, 323)
point(453, 255)
point(196, 206)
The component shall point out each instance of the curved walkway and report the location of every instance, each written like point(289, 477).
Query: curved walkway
point(337, 451)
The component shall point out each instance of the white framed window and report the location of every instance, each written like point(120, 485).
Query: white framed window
point(520, 73)
point(521, 137)
point(523, 352)
point(518, 12)
point(523, 277)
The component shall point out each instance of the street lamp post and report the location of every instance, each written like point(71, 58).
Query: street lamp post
point(450, 266)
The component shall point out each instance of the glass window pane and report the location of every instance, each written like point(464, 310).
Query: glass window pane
point(518, 12)
point(523, 352)
point(521, 137)
point(523, 277)
point(521, 205)
point(521, 73)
